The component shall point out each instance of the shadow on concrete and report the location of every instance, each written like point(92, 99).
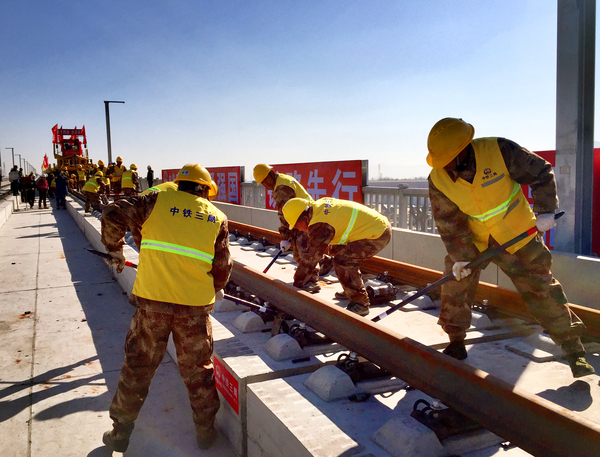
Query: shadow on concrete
point(576, 397)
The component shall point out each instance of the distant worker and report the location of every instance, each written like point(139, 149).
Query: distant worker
point(62, 188)
point(13, 177)
point(92, 189)
point(150, 176)
point(130, 183)
point(353, 232)
point(477, 203)
point(30, 189)
point(104, 170)
point(72, 184)
point(117, 174)
point(43, 187)
point(81, 178)
point(184, 262)
point(284, 188)
point(52, 183)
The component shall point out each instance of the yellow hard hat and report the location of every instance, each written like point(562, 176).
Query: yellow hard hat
point(194, 172)
point(133, 166)
point(73, 176)
point(79, 167)
point(100, 163)
point(261, 171)
point(63, 169)
point(119, 159)
point(99, 174)
point(213, 191)
point(446, 139)
point(294, 208)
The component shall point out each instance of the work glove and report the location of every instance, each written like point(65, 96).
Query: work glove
point(545, 221)
point(459, 271)
point(219, 295)
point(285, 245)
point(117, 260)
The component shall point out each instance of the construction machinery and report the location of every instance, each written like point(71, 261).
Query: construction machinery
point(69, 147)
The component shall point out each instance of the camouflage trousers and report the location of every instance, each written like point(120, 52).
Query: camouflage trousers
point(299, 240)
point(145, 348)
point(529, 270)
point(346, 263)
point(92, 200)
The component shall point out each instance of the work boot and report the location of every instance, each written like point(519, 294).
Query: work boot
point(207, 439)
point(456, 350)
point(45, 207)
point(311, 287)
point(579, 366)
point(341, 296)
point(115, 442)
point(358, 308)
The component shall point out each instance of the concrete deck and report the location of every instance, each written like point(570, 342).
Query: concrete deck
point(63, 321)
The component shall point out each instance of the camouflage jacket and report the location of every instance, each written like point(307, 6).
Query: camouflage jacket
point(132, 212)
point(524, 167)
point(281, 195)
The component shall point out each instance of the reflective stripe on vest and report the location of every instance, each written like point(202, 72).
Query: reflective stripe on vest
point(177, 249)
point(351, 223)
point(498, 209)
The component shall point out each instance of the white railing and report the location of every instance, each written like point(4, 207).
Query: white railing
point(407, 208)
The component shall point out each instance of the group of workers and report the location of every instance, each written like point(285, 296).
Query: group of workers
point(477, 203)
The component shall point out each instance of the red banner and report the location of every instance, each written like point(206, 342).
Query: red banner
point(228, 180)
point(45, 163)
point(227, 385)
point(341, 179)
point(55, 134)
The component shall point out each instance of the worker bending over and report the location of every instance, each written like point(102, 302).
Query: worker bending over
point(477, 202)
point(92, 190)
point(130, 183)
point(184, 261)
point(353, 233)
point(284, 188)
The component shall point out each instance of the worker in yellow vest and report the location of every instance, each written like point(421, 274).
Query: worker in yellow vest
point(184, 263)
point(353, 233)
point(477, 202)
point(130, 183)
point(102, 168)
point(81, 178)
point(117, 173)
point(52, 178)
point(284, 188)
point(92, 190)
point(72, 184)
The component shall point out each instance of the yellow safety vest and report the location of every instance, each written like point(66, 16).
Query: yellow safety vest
point(118, 172)
point(494, 202)
point(162, 187)
point(91, 185)
point(285, 180)
point(177, 250)
point(127, 180)
point(81, 175)
point(53, 183)
point(351, 221)
point(105, 178)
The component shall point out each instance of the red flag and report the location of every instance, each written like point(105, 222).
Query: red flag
point(54, 136)
point(83, 133)
point(45, 164)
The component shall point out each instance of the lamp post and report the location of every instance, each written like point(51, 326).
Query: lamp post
point(106, 102)
point(13, 155)
point(19, 160)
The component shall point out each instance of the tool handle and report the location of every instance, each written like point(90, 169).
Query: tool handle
point(273, 261)
point(257, 307)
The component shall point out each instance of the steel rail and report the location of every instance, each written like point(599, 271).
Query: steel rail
point(504, 299)
point(532, 423)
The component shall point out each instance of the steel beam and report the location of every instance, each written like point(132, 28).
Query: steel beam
point(534, 424)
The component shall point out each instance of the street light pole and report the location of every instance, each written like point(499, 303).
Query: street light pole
point(106, 102)
point(13, 155)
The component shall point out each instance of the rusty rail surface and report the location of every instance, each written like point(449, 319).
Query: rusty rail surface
point(532, 423)
point(504, 299)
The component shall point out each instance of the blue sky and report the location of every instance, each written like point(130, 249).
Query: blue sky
point(241, 82)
